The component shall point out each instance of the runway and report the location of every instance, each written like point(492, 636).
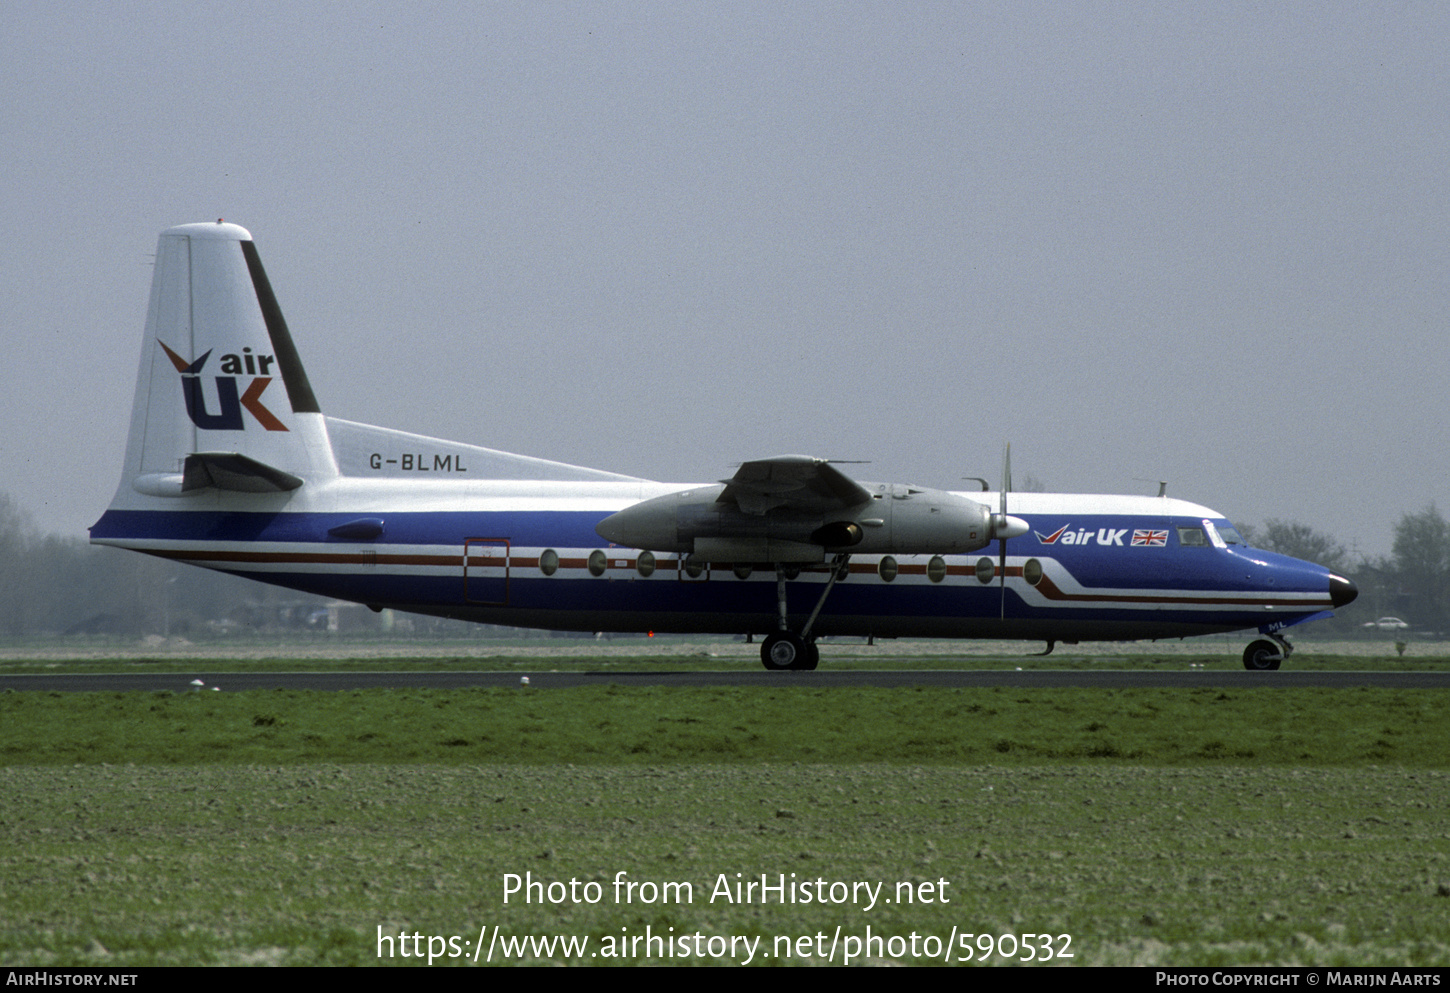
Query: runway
point(539, 681)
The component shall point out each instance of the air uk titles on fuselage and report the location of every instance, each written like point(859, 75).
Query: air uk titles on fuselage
point(1083, 536)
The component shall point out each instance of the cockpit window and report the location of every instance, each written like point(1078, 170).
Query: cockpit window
point(1191, 537)
point(1213, 535)
point(1230, 534)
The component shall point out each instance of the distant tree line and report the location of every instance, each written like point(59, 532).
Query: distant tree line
point(51, 584)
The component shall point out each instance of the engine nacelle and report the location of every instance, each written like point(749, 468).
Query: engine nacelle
point(899, 520)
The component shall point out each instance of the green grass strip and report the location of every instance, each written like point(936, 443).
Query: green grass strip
point(303, 865)
point(611, 725)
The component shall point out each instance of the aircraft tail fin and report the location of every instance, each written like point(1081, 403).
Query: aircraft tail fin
point(222, 400)
point(223, 406)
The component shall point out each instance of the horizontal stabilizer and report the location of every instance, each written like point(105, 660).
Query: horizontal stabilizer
point(234, 472)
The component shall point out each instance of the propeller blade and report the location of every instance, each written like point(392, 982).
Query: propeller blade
point(1006, 476)
point(1002, 529)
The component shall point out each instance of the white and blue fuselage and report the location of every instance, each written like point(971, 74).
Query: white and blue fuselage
point(527, 554)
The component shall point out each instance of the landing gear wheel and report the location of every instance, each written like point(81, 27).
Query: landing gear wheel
point(788, 650)
point(784, 650)
point(813, 656)
point(1263, 655)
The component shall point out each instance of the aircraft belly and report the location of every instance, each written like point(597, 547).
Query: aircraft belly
point(730, 606)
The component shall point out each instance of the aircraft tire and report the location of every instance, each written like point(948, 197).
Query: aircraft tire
point(812, 656)
point(784, 650)
point(1263, 655)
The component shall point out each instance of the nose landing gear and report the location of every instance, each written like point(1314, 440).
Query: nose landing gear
point(1265, 654)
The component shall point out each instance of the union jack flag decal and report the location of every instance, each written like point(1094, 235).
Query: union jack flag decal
point(1154, 538)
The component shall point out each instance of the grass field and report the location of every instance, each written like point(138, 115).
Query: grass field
point(1124, 827)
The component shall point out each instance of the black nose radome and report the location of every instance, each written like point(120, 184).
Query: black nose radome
point(1342, 591)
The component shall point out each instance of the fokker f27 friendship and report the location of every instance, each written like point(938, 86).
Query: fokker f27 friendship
point(232, 465)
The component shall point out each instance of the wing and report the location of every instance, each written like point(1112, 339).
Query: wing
point(798, 482)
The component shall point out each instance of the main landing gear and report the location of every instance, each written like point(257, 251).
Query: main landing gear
point(1265, 654)
point(788, 650)
point(785, 649)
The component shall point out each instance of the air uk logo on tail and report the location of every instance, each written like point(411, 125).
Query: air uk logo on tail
point(231, 403)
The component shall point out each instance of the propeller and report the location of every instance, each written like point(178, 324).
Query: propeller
point(1005, 526)
point(1001, 527)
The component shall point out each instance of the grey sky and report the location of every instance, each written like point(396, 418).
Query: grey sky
point(1201, 243)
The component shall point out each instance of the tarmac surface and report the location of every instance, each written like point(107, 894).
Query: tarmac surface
point(683, 662)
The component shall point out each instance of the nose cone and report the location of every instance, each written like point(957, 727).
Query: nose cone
point(1342, 591)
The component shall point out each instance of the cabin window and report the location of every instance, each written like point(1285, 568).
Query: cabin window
point(694, 566)
point(743, 570)
point(1191, 537)
point(1032, 572)
point(936, 569)
point(645, 563)
point(598, 561)
point(985, 570)
point(548, 561)
point(886, 569)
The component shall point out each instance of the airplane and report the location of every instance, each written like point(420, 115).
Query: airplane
point(231, 465)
